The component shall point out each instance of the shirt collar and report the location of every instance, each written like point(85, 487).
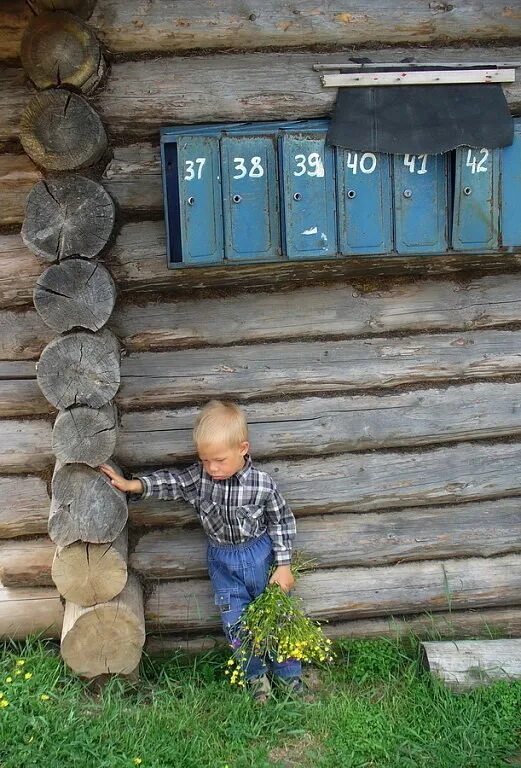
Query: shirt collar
point(243, 473)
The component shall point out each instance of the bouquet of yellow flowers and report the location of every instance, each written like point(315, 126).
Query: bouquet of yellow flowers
point(274, 626)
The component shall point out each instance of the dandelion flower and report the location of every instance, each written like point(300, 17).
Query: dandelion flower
point(45, 697)
point(137, 761)
point(20, 662)
point(9, 679)
point(28, 675)
point(4, 703)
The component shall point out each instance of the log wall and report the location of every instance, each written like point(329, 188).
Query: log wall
point(383, 394)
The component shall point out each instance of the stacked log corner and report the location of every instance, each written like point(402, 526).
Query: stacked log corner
point(69, 220)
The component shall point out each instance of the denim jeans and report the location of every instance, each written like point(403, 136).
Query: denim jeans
point(239, 574)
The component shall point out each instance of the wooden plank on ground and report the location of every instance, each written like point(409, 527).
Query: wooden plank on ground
point(456, 624)
point(248, 373)
point(355, 593)
point(376, 481)
point(466, 664)
point(323, 425)
point(346, 540)
point(25, 506)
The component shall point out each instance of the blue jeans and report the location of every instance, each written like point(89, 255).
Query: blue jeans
point(239, 574)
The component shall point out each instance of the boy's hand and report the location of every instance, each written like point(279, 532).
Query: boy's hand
point(283, 577)
point(127, 486)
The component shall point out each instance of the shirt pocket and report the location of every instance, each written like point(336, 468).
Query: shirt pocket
point(211, 518)
point(250, 519)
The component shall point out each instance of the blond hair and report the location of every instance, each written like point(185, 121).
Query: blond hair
point(221, 420)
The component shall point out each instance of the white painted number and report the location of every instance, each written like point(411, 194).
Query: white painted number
point(190, 172)
point(312, 165)
point(475, 165)
point(256, 170)
point(410, 162)
point(367, 162)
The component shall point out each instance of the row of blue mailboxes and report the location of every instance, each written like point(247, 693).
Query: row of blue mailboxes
point(273, 191)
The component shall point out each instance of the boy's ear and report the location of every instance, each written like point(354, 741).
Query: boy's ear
point(244, 447)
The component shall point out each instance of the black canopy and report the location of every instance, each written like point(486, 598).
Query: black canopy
point(418, 119)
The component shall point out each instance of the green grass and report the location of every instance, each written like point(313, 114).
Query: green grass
point(374, 708)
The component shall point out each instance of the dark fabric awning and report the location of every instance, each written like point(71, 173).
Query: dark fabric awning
point(418, 119)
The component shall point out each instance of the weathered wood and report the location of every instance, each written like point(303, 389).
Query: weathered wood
point(105, 638)
point(26, 446)
point(14, 17)
point(82, 8)
point(248, 373)
point(75, 294)
point(60, 131)
point(87, 574)
point(376, 481)
point(354, 593)
point(138, 265)
point(68, 216)
point(456, 624)
point(464, 530)
point(85, 435)
point(469, 663)
point(322, 425)
point(26, 563)
point(19, 270)
point(138, 99)
point(58, 49)
point(342, 309)
point(18, 174)
point(160, 27)
point(133, 178)
point(80, 369)
point(25, 507)
point(30, 611)
point(85, 506)
point(22, 398)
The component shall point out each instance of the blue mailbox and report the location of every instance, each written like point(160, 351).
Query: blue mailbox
point(475, 225)
point(308, 191)
point(511, 190)
point(192, 174)
point(420, 202)
point(363, 187)
point(250, 197)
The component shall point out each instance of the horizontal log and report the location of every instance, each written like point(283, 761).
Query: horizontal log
point(376, 481)
point(467, 664)
point(355, 593)
point(133, 178)
point(321, 425)
point(22, 397)
point(25, 507)
point(246, 373)
point(26, 446)
point(456, 624)
point(348, 309)
point(137, 262)
point(160, 28)
point(30, 611)
point(371, 539)
point(18, 175)
point(140, 98)
point(26, 563)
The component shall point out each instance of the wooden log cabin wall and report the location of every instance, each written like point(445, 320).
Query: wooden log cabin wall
point(383, 393)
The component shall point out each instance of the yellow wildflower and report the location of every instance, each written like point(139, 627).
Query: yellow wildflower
point(28, 675)
point(137, 761)
point(44, 697)
point(1, 695)
point(18, 671)
point(4, 703)
point(8, 679)
point(20, 662)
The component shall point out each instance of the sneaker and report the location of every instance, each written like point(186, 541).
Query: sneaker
point(260, 689)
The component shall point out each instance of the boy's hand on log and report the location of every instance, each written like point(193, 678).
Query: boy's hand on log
point(283, 577)
point(117, 480)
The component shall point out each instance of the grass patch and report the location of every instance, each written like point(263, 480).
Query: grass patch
point(375, 707)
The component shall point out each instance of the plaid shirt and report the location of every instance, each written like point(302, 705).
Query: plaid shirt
point(231, 511)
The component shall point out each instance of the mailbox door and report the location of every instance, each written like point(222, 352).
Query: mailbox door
point(476, 191)
point(364, 202)
point(309, 195)
point(250, 197)
point(511, 190)
point(200, 234)
point(420, 201)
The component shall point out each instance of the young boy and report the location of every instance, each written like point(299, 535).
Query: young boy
point(248, 524)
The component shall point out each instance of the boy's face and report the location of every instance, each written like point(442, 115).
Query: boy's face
point(220, 460)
